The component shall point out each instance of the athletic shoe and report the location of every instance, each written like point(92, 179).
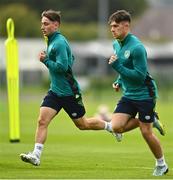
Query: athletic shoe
point(158, 125)
point(118, 136)
point(30, 158)
point(160, 170)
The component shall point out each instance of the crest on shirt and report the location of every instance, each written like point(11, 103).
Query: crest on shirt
point(147, 117)
point(127, 54)
point(74, 114)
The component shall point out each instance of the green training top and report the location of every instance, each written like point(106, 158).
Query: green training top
point(59, 59)
point(131, 64)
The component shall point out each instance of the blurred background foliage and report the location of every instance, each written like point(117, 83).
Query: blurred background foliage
point(26, 20)
point(79, 17)
point(79, 22)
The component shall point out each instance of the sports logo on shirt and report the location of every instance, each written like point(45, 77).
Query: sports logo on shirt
point(74, 114)
point(147, 117)
point(127, 54)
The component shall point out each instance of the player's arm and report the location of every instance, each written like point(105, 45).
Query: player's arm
point(139, 71)
point(61, 63)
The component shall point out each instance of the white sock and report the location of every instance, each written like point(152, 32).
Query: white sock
point(38, 149)
point(108, 126)
point(160, 161)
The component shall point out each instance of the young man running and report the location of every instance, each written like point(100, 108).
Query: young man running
point(139, 89)
point(64, 90)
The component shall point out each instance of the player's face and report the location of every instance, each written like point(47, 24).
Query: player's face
point(119, 30)
point(48, 27)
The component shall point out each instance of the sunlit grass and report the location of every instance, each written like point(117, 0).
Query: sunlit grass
point(73, 154)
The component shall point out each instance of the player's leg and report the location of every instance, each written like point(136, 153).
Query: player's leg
point(104, 113)
point(155, 146)
point(124, 122)
point(94, 123)
point(76, 110)
point(146, 117)
point(48, 110)
point(134, 123)
point(126, 106)
point(131, 124)
point(121, 118)
point(151, 139)
point(119, 121)
point(45, 117)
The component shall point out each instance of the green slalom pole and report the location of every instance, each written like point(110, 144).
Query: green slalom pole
point(12, 82)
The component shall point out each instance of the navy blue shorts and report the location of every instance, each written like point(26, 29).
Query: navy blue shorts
point(73, 106)
point(144, 108)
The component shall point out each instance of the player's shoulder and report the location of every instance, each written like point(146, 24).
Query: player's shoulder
point(136, 43)
point(135, 40)
point(60, 38)
point(61, 41)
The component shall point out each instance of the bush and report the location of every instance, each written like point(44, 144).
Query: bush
point(27, 21)
point(79, 31)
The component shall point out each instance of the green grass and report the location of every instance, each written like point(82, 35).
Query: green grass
point(73, 154)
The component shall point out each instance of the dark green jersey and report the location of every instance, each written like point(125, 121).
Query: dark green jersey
point(131, 65)
point(59, 59)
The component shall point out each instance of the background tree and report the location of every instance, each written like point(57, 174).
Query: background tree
point(76, 15)
point(27, 21)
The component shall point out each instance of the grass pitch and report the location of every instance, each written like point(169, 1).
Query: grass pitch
point(73, 154)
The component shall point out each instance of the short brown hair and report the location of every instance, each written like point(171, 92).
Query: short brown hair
point(52, 15)
point(119, 16)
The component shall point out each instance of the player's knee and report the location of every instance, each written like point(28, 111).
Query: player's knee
point(146, 133)
point(118, 129)
point(42, 122)
point(83, 126)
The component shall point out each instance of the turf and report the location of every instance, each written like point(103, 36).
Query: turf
point(73, 154)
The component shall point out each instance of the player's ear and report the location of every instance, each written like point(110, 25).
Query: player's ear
point(127, 24)
point(57, 24)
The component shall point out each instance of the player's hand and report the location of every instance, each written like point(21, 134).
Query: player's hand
point(112, 59)
point(116, 87)
point(42, 56)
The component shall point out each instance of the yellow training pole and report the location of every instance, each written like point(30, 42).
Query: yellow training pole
point(12, 82)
